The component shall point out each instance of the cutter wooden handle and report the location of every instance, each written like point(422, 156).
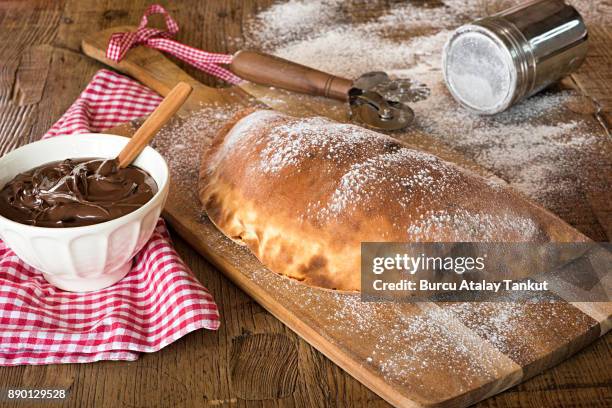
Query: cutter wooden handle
point(270, 70)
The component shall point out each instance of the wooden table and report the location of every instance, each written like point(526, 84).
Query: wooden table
point(253, 360)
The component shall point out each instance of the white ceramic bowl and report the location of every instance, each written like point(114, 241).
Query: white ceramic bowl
point(81, 259)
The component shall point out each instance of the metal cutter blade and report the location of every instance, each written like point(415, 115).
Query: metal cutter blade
point(370, 109)
point(379, 102)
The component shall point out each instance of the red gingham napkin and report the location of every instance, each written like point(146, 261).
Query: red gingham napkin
point(158, 302)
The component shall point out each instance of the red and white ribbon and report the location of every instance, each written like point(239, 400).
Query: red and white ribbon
point(120, 43)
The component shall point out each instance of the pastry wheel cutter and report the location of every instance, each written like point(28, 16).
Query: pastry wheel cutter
point(374, 99)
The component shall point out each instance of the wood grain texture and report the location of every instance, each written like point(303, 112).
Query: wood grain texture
point(196, 370)
point(25, 63)
point(253, 378)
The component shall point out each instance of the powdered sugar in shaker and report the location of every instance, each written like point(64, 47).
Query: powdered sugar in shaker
point(494, 62)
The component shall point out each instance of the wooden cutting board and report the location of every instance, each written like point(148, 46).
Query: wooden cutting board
point(426, 354)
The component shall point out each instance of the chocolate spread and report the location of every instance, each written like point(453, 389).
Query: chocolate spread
point(75, 192)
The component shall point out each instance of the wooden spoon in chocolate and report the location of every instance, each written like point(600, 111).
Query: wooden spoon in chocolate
point(160, 116)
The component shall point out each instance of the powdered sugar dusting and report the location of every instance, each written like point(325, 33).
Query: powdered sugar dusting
point(503, 323)
point(289, 144)
point(244, 128)
point(401, 341)
point(363, 181)
point(594, 12)
point(465, 225)
point(535, 146)
point(408, 345)
point(293, 20)
point(182, 142)
point(419, 345)
point(363, 167)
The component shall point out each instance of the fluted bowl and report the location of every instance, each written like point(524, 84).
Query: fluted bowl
point(87, 258)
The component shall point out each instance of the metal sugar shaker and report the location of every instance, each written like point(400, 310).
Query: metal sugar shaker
point(492, 63)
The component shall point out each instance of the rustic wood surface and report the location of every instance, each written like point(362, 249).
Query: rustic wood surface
point(253, 360)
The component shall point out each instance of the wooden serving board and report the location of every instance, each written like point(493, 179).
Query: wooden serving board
point(425, 354)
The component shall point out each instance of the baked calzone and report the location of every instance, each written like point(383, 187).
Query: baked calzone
point(303, 193)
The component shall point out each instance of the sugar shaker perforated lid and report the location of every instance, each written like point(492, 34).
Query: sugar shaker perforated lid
point(494, 62)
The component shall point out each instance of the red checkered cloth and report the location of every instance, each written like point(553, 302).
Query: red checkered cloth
point(158, 302)
point(209, 62)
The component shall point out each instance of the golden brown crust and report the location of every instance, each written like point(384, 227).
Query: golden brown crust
point(302, 194)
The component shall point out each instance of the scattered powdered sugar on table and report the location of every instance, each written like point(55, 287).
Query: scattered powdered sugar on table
point(182, 142)
point(534, 157)
point(325, 33)
point(503, 323)
point(426, 342)
point(293, 20)
point(594, 12)
point(535, 146)
point(538, 158)
point(401, 341)
point(418, 344)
